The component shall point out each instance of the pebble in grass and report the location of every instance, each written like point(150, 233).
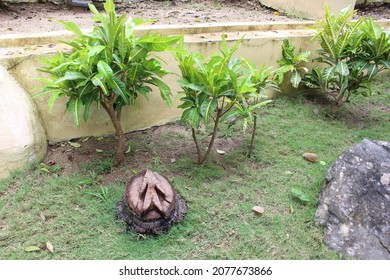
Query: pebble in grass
point(258, 210)
point(310, 157)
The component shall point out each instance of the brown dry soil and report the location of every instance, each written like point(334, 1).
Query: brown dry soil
point(147, 150)
point(43, 17)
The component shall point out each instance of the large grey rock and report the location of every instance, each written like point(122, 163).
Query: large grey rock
point(22, 137)
point(354, 203)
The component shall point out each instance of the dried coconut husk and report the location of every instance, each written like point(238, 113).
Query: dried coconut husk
point(150, 204)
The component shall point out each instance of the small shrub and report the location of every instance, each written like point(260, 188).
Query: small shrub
point(109, 66)
point(218, 89)
point(291, 63)
point(354, 51)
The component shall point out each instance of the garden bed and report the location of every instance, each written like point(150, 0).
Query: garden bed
point(70, 199)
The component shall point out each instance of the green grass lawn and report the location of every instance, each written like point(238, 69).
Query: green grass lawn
point(37, 207)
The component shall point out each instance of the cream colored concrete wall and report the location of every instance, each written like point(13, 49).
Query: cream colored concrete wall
point(313, 9)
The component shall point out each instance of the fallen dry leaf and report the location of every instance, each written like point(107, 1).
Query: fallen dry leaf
point(42, 217)
point(49, 247)
point(32, 249)
point(74, 144)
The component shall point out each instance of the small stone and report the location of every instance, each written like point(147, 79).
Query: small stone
point(310, 157)
point(258, 210)
point(173, 160)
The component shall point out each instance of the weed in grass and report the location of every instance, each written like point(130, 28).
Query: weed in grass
point(102, 194)
point(98, 166)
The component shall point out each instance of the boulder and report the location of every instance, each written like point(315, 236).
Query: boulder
point(22, 137)
point(354, 204)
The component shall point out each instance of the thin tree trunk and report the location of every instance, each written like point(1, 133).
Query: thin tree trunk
point(214, 134)
point(115, 117)
point(253, 134)
point(198, 151)
point(339, 102)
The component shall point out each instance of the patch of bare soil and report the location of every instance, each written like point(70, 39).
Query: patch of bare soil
point(156, 148)
point(43, 17)
point(376, 11)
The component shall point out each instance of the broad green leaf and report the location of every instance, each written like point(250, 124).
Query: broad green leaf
point(95, 50)
point(98, 80)
point(87, 104)
point(186, 104)
point(258, 105)
point(55, 95)
point(328, 75)
point(120, 89)
point(71, 26)
point(158, 43)
point(165, 91)
point(105, 70)
point(342, 68)
point(64, 66)
point(304, 56)
point(208, 108)
point(185, 84)
point(123, 45)
point(295, 79)
point(372, 71)
point(385, 63)
point(74, 106)
point(71, 76)
point(109, 6)
point(115, 31)
point(191, 116)
point(98, 16)
point(144, 91)
point(343, 84)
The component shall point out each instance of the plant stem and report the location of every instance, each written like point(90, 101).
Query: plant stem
point(115, 117)
point(253, 134)
point(213, 135)
point(198, 151)
point(339, 102)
